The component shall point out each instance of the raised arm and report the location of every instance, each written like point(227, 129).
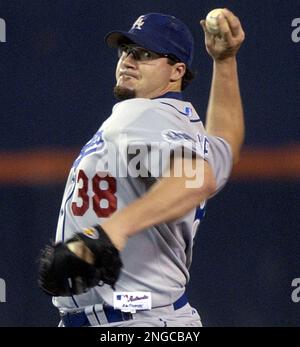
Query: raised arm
point(225, 116)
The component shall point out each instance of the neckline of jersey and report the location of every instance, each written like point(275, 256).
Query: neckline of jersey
point(170, 95)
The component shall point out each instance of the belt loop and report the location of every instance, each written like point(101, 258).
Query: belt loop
point(100, 313)
point(93, 316)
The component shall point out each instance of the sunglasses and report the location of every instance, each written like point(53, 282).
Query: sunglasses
point(142, 54)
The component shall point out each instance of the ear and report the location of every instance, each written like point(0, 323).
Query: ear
point(178, 71)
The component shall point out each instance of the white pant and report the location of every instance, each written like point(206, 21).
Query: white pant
point(165, 316)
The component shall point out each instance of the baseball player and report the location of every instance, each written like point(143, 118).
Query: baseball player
point(137, 191)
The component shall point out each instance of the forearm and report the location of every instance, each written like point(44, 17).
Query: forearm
point(168, 200)
point(225, 116)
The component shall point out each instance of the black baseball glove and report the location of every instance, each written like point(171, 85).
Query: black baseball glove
point(63, 273)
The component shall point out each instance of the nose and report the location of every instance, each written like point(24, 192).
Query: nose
point(129, 61)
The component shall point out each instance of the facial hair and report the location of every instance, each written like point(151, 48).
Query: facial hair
point(122, 93)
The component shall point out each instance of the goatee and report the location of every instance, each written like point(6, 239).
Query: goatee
point(122, 93)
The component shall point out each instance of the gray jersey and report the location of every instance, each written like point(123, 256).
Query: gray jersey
point(157, 259)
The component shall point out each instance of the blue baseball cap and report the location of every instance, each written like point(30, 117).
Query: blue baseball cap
point(160, 33)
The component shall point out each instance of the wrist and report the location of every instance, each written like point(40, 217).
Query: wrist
point(225, 68)
point(226, 61)
point(116, 233)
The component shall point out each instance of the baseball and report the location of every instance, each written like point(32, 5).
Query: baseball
point(212, 21)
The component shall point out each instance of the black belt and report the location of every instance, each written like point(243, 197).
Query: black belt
point(80, 319)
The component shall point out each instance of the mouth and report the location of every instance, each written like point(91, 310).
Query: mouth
point(126, 74)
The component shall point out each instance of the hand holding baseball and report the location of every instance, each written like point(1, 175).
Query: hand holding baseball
point(212, 23)
point(223, 34)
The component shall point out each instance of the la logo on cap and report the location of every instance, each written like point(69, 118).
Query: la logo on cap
point(138, 23)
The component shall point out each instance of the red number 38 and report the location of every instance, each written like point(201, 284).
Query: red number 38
point(104, 189)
